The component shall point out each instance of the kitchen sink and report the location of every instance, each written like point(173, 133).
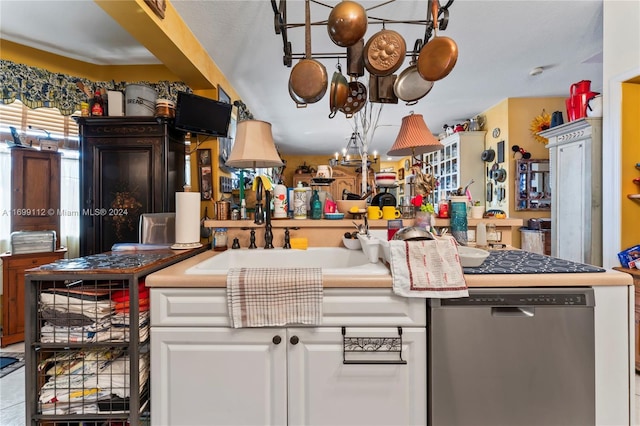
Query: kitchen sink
point(332, 260)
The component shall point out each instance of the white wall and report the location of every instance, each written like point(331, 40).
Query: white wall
point(621, 61)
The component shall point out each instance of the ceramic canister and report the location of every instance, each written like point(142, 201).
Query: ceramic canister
point(280, 202)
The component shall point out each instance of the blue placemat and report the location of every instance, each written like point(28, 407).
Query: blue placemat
point(524, 262)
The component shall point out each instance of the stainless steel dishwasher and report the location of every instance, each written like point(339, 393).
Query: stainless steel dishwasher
point(521, 356)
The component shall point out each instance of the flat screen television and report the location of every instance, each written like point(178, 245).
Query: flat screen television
point(197, 114)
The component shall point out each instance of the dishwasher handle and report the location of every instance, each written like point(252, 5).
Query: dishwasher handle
point(513, 311)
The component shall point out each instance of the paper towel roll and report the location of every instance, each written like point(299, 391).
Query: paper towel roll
point(187, 220)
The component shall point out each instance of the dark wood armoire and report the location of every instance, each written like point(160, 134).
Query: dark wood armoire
point(129, 166)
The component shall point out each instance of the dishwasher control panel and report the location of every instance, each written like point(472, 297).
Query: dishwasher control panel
point(540, 297)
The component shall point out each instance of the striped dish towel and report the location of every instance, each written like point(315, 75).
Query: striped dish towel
point(429, 268)
point(263, 297)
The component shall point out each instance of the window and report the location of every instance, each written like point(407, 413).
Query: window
point(33, 126)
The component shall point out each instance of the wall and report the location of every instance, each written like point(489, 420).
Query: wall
point(513, 116)
point(630, 132)
point(621, 63)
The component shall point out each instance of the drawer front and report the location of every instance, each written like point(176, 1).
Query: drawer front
point(207, 307)
point(32, 261)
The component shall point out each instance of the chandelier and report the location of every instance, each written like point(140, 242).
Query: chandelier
point(353, 155)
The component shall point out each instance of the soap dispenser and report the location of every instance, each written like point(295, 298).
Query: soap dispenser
point(316, 206)
point(300, 202)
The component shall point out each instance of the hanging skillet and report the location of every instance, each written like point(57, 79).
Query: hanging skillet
point(384, 52)
point(438, 56)
point(308, 80)
point(410, 86)
point(338, 92)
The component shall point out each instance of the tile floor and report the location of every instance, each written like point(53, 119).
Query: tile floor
point(12, 409)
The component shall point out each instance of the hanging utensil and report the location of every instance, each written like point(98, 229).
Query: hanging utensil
point(339, 91)
point(437, 57)
point(308, 80)
point(347, 23)
point(355, 59)
point(356, 98)
point(410, 86)
point(384, 52)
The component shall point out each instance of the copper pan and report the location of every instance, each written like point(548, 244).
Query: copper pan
point(384, 52)
point(339, 92)
point(308, 80)
point(438, 57)
point(347, 23)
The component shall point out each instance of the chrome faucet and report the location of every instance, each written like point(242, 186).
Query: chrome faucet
point(264, 216)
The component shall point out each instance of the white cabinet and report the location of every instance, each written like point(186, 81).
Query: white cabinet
point(205, 373)
point(218, 376)
point(457, 163)
point(575, 158)
point(325, 391)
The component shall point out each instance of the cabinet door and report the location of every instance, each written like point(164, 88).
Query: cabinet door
point(35, 191)
point(573, 219)
point(324, 391)
point(13, 302)
point(218, 376)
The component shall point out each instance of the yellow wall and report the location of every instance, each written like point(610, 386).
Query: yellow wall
point(513, 116)
point(630, 209)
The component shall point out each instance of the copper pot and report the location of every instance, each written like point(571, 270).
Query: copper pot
point(438, 57)
point(355, 59)
point(384, 52)
point(347, 23)
point(308, 80)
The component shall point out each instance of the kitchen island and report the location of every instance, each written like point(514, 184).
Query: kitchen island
point(253, 377)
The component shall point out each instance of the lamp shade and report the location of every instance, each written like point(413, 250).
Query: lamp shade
point(414, 138)
point(253, 146)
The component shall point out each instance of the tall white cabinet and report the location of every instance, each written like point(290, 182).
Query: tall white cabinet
point(575, 158)
point(457, 163)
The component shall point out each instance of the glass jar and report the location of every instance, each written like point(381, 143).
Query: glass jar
point(219, 239)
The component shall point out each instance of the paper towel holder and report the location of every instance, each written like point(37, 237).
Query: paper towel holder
point(186, 245)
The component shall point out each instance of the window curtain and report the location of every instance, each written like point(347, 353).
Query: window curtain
point(37, 87)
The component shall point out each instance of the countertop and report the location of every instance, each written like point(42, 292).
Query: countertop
point(174, 276)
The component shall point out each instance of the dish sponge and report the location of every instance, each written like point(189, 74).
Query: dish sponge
point(299, 243)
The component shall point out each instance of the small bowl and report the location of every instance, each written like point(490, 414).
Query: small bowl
point(334, 216)
point(352, 243)
point(471, 257)
point(345, 206)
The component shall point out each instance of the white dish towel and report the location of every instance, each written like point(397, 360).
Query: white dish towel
point(265, 297)
point(429, 268)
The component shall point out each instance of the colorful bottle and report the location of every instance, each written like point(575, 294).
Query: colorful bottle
point(97, 109)
point(316, 206)
point(300, 202)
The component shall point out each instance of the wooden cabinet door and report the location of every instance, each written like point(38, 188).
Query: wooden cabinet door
point(324, 391)
point(129, 166)
point(218, 376)
point(13, 303)
point(35, 191)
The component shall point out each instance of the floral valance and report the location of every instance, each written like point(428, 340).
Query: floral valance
point(37, 87)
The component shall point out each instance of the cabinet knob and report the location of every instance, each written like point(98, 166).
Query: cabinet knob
point(294, 340)
point(276, 340)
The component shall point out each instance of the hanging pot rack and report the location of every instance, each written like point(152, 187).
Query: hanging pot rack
point(282, 27)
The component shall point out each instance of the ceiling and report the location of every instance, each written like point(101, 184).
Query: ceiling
point(499, 44)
